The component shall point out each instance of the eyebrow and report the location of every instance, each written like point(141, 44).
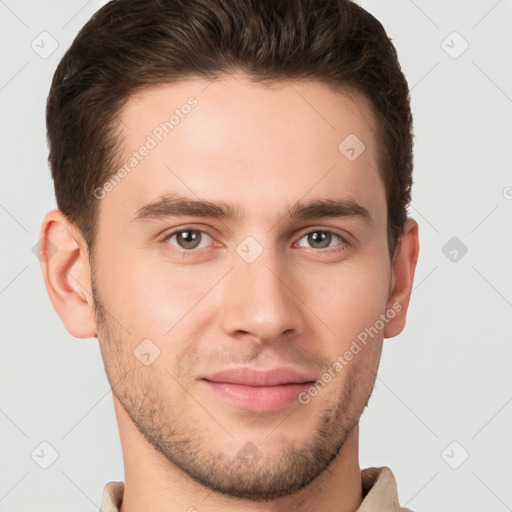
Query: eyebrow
point(175, 205)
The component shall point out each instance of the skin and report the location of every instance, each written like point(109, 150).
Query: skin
point(299, 304)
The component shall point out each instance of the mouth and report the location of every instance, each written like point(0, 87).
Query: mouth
point(259, 391)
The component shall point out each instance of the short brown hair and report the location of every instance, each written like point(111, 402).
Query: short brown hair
point(129, 45)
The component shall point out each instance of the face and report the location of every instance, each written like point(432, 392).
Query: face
point(215, 321)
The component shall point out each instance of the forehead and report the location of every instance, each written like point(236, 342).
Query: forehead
point(231, 102)
point(249, 143)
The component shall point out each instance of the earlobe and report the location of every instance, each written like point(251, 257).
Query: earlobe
point(402, 277)
point(66, 271)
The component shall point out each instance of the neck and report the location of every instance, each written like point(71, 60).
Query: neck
point(153, 483)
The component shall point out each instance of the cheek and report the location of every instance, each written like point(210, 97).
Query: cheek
point(132, 292)
point(352, 298)
point(154, 299)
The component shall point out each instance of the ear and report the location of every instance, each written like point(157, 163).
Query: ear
point(64, 261)
point(402, 277)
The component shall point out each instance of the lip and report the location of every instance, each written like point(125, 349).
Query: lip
point(259, 391)
point(250, 377)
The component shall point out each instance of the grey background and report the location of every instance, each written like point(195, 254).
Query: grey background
point(445, 379)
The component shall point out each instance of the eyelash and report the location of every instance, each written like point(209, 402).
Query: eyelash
point(192, 252)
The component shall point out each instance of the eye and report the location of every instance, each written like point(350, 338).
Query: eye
point(321, 239)
point(188, 239)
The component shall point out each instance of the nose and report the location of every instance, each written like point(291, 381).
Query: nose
point(261, 299)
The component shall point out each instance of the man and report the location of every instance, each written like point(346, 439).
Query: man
point(232, 181)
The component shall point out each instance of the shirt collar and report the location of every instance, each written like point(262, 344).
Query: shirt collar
point(379, 491)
